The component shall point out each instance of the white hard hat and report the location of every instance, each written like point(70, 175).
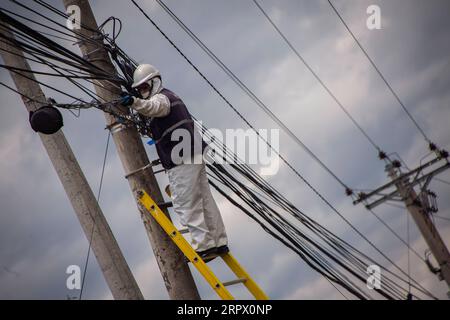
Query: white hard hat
point(144, 73)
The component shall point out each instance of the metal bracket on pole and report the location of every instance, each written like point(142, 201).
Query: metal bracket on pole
point(149, 165)
point(116, 127)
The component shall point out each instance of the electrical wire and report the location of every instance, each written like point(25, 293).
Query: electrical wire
point(442, 181)
point(34, 52)
point(318, 255)
point(40, 39)
point(409, 252)
point(59, 75)
point(75, 38)
point(99, 191)
point(327, 89)
point(246, 121)
point(21, 94)
point(289, 206)
point(345, 110)
point(86, 264)
point(250, 93)
point(291, 240)
point(380, 74)
point(441, 217)
point(77, 34)
point(259, 102)
point(28, 47)
point(396, 235)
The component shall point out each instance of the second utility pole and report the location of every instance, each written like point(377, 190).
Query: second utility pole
point(418, 204)
point(175, 271)
point(114, 267)
point(422, 217)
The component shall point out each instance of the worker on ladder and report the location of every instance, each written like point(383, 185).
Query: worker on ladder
point(190, 192)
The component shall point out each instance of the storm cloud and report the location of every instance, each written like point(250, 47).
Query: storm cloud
point(40, 236)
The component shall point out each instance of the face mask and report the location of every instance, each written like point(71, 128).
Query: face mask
point(145, 94)
point(152, 88)
point(145, 91)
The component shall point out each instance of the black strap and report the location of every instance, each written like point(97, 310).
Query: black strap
point(173, 127)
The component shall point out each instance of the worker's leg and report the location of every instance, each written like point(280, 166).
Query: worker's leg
point(212, 214)
point(188, 204)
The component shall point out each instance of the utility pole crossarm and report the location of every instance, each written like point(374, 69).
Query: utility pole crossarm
point(364, 197)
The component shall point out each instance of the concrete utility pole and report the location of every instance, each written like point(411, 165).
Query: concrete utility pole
point(111, 260)
point(419, 211)
point(417, 204)
point(175, 271)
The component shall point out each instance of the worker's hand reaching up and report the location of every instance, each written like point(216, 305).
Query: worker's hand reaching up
point(127, 99)
point(156, 106)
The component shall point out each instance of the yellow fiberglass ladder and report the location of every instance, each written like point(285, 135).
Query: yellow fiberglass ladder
point(219, 287)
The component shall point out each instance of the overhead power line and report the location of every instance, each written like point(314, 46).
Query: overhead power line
point(380, 74)
point(281, 157)
point(250, 93)
point(327, 89)
point(323, 251)
point(99, 192)
point(406, 243)
point(341, 106)
point(240, 168)
point(261, 104)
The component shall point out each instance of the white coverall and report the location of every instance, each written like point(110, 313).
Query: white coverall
point(191, 195)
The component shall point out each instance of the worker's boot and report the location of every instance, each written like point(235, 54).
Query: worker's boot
point(212, 253)
point(222, 250)
point(208, 254)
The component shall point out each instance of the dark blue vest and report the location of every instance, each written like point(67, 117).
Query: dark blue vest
point(162, 128)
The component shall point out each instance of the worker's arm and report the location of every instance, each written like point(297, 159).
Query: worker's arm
point(156, 106)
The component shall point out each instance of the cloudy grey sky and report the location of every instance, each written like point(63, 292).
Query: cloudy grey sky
point(40, 235)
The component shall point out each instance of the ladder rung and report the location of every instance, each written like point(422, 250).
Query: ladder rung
point(239, 272)
point(236, 281)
